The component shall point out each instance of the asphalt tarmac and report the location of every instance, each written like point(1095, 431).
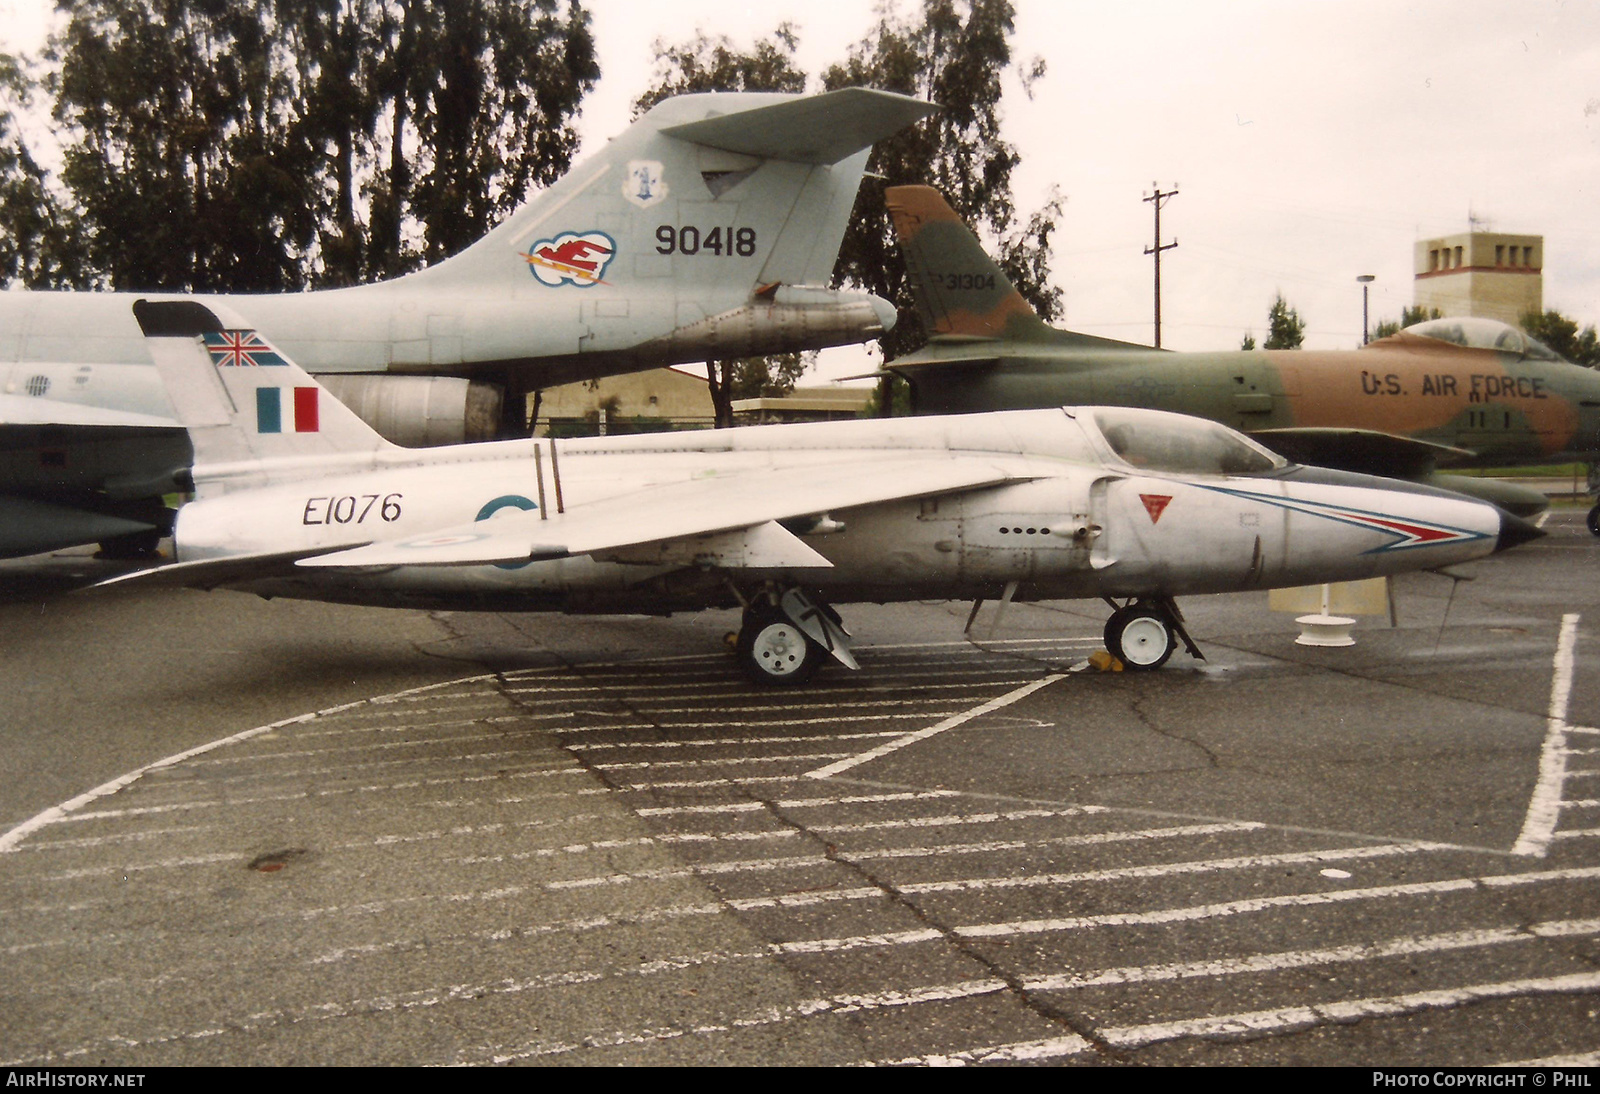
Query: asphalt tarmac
point(238, 832)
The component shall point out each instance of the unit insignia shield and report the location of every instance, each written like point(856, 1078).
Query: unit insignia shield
point(645, 183)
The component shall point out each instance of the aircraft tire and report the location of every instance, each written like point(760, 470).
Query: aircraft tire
point(773, 651)
point(1141, 637)
point(1594, 521)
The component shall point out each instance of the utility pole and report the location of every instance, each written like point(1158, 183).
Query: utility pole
point(1157, 199)
point(1366, 282)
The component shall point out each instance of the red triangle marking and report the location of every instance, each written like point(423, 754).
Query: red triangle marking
point(1155, 505)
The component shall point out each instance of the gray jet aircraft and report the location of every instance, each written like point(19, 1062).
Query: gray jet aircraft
point(709, 229)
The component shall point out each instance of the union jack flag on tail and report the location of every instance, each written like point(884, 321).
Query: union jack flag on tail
point(242, 398)
point(235, 348)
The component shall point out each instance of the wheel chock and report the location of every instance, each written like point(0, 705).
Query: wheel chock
point(1104, 662)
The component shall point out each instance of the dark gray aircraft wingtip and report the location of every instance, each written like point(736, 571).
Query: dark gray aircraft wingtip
point(1514, 531)
point(174, 318)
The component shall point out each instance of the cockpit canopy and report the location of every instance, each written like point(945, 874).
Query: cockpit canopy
point(1475, 332)
point(1154, 440)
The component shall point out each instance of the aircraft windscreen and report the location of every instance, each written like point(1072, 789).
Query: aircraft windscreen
point(1156, 441)
point(1477, 333)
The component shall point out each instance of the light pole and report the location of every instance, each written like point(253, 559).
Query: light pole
point(1365, 279)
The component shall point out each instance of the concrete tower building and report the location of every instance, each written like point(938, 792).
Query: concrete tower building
point(1489, 274)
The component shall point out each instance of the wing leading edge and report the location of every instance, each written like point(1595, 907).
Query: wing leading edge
point(730, 517)
point(1368, 451)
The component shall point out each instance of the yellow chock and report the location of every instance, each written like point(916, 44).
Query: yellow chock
point(1104, 662)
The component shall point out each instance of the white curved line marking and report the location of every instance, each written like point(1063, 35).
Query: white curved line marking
point(11, 839)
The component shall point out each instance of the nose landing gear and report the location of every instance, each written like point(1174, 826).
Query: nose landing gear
point(1143, 634)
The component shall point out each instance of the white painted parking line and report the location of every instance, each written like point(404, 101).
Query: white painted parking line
point(1118, 873)
point(831, 703)
point(795, 862)
point(1300, 959)
point(1581, 1059)
point(1084, 840)
point(951, 722)
point(774, 723)
point(1050, 1048)
point(1280, 1020)
point(435, 741)
point(137, 836)
point(727, 742)
point(1544, 808)
point(10, 840)
point(1287, 1019)
point(1171, 869)
point(1272, 1020)
point(482, 951)
point(1222, 909)
point(948, 820)
point(808, 757)
point(796, 803)
point(1577, 833)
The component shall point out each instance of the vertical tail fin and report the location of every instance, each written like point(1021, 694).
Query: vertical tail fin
point(959, 289)
point(240, 398)
point(707, 197)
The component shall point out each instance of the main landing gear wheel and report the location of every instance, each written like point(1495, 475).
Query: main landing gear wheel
point(1594, 521)
point(773, 650)
point(1140, 636)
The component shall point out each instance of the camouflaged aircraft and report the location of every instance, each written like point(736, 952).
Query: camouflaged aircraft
point(1448, 393)
point(297, 497)
point(708, 229)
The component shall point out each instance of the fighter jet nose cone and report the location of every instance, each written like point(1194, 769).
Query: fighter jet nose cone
point(1515, 531)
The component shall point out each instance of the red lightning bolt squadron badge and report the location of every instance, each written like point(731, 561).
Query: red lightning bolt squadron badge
point(571, 259)
point(1155, 505)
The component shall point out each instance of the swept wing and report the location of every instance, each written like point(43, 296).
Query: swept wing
point(681, 511)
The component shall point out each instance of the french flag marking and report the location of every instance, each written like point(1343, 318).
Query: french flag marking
point(302, 408)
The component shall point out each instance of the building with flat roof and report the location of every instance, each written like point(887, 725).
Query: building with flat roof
point(804, 404)
point(653, 399)
point(1488, 274)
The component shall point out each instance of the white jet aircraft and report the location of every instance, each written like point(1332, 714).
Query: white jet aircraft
point(709, 229)
point(297, 497)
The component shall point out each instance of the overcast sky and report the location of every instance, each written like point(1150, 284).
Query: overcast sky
point(1310, 142)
